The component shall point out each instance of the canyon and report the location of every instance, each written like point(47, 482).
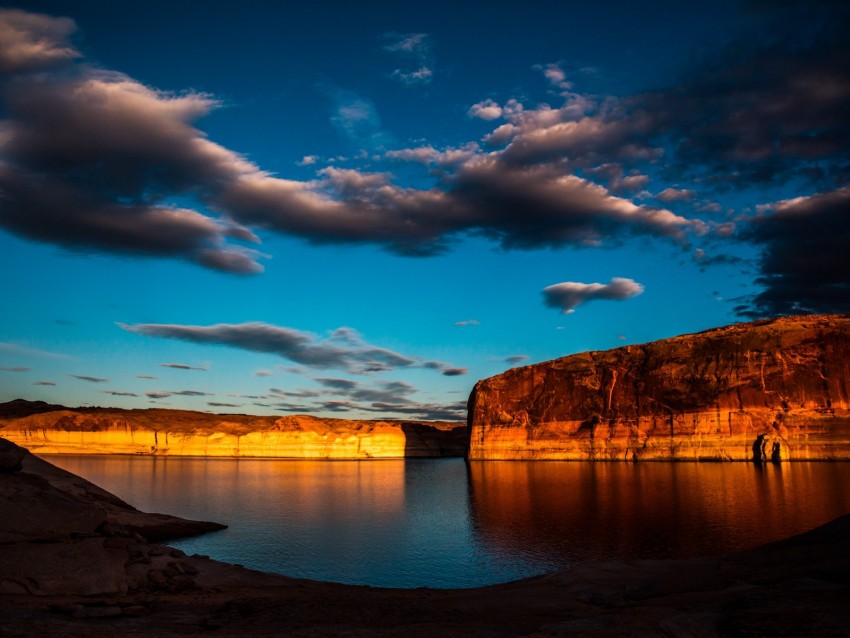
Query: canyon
point(767, 390)
point(51, 429)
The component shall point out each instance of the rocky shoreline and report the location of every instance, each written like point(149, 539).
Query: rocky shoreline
point(77, 561)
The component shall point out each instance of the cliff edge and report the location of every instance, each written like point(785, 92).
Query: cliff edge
point(767, 390)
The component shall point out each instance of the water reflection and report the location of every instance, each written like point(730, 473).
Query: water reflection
point(441, 523)
point(566, 513)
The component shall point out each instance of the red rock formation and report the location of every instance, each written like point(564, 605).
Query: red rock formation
point(51, 429)
point(723, 394)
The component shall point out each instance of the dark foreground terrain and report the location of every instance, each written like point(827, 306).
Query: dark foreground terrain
point(77, 561)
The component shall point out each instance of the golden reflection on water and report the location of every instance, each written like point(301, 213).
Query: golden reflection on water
point(441, 523)
point(585, 511)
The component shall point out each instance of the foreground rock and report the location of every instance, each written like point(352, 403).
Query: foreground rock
point(67, 571)
point(768, 390)
point(51, 429)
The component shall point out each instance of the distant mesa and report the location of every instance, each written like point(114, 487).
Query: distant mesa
point(55, 429)
point(770, 390)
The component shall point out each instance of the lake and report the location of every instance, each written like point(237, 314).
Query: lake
point(443, 523)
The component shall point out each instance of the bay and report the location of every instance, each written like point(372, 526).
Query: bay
point(446, 523)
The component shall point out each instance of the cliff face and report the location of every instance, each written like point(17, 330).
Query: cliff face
point(770, 387)
point(181, 433)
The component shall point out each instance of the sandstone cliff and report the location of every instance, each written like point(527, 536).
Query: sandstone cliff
point(779, 387)
point(48, 429)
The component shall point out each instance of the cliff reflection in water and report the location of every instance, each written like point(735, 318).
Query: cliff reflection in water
point(567, 513)
point(441, 523)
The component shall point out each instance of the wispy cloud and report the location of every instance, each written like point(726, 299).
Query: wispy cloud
point(146, 376)
point(179, 366)
point(568, 295)
point(15, 368)
point(44, 383)
point(415, 50)
point(83, 377)
point(468, 322)
point(116, 393)
point(343, 348)
point(516, 358)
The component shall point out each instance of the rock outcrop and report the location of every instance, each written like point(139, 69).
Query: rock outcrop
point(768, 390)
point(48, 429)
point(60, 534)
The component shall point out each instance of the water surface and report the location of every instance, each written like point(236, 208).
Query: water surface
point(441, 523)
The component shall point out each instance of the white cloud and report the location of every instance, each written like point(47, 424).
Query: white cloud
point(568, 295)
point(486, 110)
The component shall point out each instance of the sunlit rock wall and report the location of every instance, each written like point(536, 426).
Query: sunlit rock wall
point(705, 396)
point(129, 432)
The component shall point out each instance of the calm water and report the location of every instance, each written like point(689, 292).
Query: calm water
point(439, 523)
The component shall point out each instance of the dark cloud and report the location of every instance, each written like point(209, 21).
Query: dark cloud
point(146, 376)
point(568, 295)
point(44, 383)
point(344, 349)
point(454, 372)
point(119, 394)
point(15, 368)
point(217, 404)
point(178, 366)
point(157, 395)
point(192, 393)
point(516, 358)
point(83, 377)
point(804, 266)
point(91, 157)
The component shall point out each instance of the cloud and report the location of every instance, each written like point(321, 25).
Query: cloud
point(15, 368)
point(263, 373)
point(83, 377)
point(44, 383)
point(675, 195)
point(804, 266)
point(516, 358)
point(119, 394)
point(146, 376)
point(157, 395)
point(343, 349)
point(416, 49)
point(178, 366)
point(556, 76)
point(455, 372)
point(92, 158)
point(568, 295)
point(192, 393)
point(217, 404)
point(468, 322)
point(32, 41)
point(486, 110)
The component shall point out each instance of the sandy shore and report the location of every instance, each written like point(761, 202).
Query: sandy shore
point(76, 561)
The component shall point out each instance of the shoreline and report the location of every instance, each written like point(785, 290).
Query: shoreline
point(70, 567)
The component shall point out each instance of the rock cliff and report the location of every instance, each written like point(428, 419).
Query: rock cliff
point(48, 429)
point(774, 389)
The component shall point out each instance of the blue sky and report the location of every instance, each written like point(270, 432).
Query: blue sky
point(359, 210)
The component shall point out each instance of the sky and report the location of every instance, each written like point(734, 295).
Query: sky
point(358, 210)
